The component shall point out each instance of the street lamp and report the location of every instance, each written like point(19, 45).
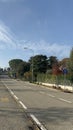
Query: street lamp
point(26, 48)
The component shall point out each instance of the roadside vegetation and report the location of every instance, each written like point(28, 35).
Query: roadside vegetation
point(44, 69)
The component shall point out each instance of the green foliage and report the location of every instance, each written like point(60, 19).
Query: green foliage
point(51, 61)
point(70, 66)
point(47, 78)
point(14, 64)
point(22, 68)
point(18, 67)
point(1, 70)
point(42, 68)
point(28, 76)
point(39, 63)
point(53, 79)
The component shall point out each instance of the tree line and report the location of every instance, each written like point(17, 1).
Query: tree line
point(41, 64)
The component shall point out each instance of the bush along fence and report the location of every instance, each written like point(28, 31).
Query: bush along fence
point(55, 79)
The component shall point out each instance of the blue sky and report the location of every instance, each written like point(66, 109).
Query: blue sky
point(43, 26)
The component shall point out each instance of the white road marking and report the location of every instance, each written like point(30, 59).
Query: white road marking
point(11, 92)
point(22, 105)
point(50, 95)
point(42, 92)
point(26, 87)
point(61, 99)
point(64, 100)
point(16, 97)
point(37, 122)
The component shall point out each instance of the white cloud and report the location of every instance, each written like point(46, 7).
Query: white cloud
point(59, 50)
point(6, 38)
point(7, 41)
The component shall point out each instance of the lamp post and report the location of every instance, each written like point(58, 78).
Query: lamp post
point(26, 48)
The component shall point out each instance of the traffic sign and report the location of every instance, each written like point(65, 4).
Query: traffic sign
point(65, 71)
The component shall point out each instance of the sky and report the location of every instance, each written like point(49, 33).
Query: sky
point(41, 26)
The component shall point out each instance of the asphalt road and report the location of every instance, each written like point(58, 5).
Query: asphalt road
point(12, 116)
point(53, 108)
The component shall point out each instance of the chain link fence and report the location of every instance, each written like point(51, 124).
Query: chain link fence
point(54, 79)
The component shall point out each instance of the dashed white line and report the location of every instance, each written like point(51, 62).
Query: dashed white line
point(16, 97)
point(42, 92)
point(11, 92)
point(61, 99)
point(37, 122)
point(35, 119)
point(22, 105)
point(50, 95)
point(26, 87)
point(64, 100)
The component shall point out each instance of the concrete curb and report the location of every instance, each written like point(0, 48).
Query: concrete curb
point(65, 88)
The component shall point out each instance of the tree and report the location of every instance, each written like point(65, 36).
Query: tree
point(39, 63)
point(70, 65)
point(23, 68)
point(1, 70)
point(64, 62)
point(56, 70)
point(14, 63)
point(51, 61)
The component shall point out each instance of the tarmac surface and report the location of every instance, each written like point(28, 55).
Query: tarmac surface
point(12, 117)
point(51, 107)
